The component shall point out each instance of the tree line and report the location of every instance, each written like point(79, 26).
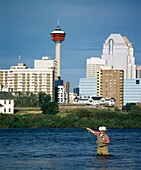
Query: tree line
point(41, 99)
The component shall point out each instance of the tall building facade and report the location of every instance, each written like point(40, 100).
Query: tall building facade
point(138, 72)
point(63, 93)
point(119, 53)
point(46, 63)
point(93, 66)
point(110, 85)
point(22, 79)
point(87, 87)
point(132, 91)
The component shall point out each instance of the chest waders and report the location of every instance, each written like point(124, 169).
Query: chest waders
point(100, 140)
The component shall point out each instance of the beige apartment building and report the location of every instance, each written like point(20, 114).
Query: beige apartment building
point(110, 85)
point(93, 66)
point(22, 79)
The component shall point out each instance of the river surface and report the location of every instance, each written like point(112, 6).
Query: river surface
point(68, 149)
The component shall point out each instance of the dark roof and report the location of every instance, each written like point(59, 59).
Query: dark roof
point(6, 95)
point(1, 105)
point(76, 98)
point(96, 98)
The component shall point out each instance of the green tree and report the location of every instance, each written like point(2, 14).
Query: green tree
point(46, 105)
point(49, 107)
point(129, 106)
point(26, 100)
point(43, 98)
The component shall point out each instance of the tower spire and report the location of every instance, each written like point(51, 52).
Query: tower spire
point(58, 23)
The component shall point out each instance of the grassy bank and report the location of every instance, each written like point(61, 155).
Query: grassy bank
point(77, 118)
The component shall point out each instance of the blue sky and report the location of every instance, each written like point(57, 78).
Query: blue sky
point(25, 27)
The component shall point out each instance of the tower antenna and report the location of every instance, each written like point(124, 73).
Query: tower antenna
point(58, 21)
point(20, 57)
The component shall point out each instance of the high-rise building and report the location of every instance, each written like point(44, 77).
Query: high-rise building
point(110, 85)
point(63, 93)
point(87, 87)
point(22, 79)
point(46, 63)
point(132, 91)
point(93, 66)
point(138, 72)
point(58, 36)
point(119, 53)
point(76, 91)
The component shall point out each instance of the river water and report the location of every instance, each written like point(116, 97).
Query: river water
point(68, 149)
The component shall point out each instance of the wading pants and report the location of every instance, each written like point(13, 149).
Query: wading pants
point(102, 150)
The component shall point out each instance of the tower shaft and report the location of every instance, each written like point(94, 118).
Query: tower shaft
point(58, 58)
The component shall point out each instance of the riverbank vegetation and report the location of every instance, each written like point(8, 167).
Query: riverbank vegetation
point(37, 100)
point(75, 118)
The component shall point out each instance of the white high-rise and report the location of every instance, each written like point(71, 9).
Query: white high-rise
point(46, 63)
point(119, 53)
point(93, 66)
point(22, 79)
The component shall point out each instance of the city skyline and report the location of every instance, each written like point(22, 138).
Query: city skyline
point(26, 25)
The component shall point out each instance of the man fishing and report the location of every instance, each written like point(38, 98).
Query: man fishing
point(102, 140)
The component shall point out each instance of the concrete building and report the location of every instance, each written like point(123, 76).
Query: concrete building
point(132, 91)
point(87, 87)
point(93, 66)
point(119, 53)
point(6, 103)
point(63, 93)
point(73, 97)
point(22, 79)
point(138, 72)
point(110, 85)
point(76, 91)
point(46, 63)
point(67, 90)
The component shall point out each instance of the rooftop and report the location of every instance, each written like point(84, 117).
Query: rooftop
point(6, 95)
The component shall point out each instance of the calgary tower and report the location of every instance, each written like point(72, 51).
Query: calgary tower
point(58, 36)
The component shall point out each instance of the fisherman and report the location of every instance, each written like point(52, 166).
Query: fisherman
point(102, 140)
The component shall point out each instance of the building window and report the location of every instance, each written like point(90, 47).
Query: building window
point(137, 81)
point(4, 110)
point(4, 101)
point(111, 46)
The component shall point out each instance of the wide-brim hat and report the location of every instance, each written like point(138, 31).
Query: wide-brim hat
point(102, 128)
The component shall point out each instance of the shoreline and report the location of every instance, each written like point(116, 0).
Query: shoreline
point(76, 118)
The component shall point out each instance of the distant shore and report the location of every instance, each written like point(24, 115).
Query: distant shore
point(72, 118)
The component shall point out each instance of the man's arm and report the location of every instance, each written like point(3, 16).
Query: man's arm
point(92, 131)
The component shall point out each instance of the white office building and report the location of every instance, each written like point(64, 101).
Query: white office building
point(132, 91)
point(87, 87)
point(119, 53)
point(46, 63)
point(93, 66)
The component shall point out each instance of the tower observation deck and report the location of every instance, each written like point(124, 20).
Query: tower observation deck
point(58, 36)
